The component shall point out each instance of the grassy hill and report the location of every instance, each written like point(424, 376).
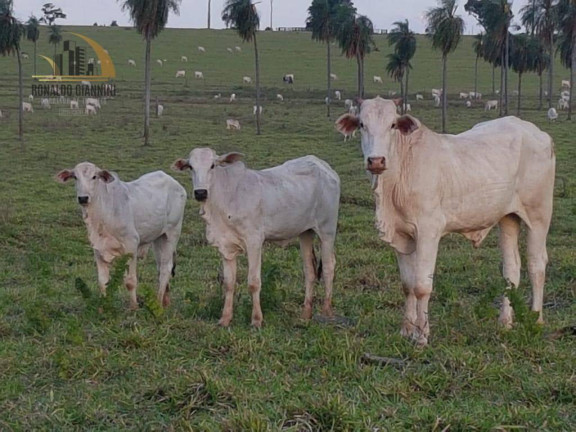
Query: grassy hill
point(71, 362)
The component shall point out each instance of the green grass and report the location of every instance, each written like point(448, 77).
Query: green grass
point(68, 363)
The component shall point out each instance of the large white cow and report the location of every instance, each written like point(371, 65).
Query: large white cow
point(126, 218)
point(427, 185)
point(243, 208)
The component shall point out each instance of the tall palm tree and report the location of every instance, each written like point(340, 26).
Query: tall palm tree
point(395, 69)
point(54, 37)
point(150, 18)
point(567, 14)
point(404, 42)
point(445, 28)
point(523, 59)
point(11, 32)
point(541, 61)
point(355, 39)
point(243, 16)
point(323, 19)
point(33, 34)
point(541, 17)
point(478, 46)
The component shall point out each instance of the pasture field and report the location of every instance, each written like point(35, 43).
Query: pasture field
point(69, 361)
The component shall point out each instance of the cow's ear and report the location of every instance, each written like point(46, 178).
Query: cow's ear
point(65, 175)
point(406, 124)
point(180, 165)
point(106, 176)
point(229, 158)
point(347, 123)
point(397, 101)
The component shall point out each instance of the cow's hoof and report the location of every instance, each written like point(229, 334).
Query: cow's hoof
point(306, 313)
point(257, 323)
point(224, 322)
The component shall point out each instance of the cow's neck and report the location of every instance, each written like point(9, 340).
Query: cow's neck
point(100, 211)
point(223, 187)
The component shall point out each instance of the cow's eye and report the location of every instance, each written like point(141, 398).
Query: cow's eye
point(94, 178)
point(212, 167)
point(361, 125)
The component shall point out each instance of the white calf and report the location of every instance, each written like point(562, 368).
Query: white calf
point(198, 74)
point(27, 107)
point(246, 80)
point(180, 73)
point(232, 124)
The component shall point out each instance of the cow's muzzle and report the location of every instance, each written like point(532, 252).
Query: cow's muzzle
point(83, 200)
point(200, 194)
point(376, 165)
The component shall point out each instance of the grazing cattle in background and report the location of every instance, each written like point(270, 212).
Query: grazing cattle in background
point(131, 62)
point(436, 100)
point(93, 102)
point(491, 104)
point(160, 62)
point(246, 80)
point(180, 73)
point(74, 104)
point(566, 83)
point(218, 96)
point(184, 59)
point(338, 94)
point(24, 55)
point(436, 92)
point(348, 103)
point(288, 79)
point(280, 97)
point(232, 124)
point(31, 98)
point(244, 208)
point(377, 79)
point(159, 110)
point(201, 49)
point(426, 185)
point(333, 76)
point(552, 114)
point(232, 97)
point(27, 107)
point(478, 96)
point(468, 104)
point(419, 97)
point(255, 109)
point(90, 110)
point(45, 103)
point(391, 93)
point(563, 104)
point(126, 218)
point(229, 50)
point(464, 95)
point(198, 74)
point(237, 48)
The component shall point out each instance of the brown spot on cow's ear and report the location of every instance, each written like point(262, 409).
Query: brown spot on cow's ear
point(106, 176)
point(406, 124)
point(180, 165)
point(229, 158)
point(347, 123)
point(64, 175)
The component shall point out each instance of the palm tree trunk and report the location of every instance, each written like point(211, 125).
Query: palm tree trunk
point(493, 79)
point(35, 43)
point(147, 83)
point(20, 99)
point(541, 91)
point(359, 73)
point(209, 7)
point(551, 70)
point(519, 94)
point(501, 90)
point(328, 72)
point(257, 64)
point(476, 76)
point(572, 71)
point(506, 66)
point(444, 91)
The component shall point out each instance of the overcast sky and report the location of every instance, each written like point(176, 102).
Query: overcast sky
point(287, 13)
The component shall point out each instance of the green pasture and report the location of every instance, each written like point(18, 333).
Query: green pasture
point(71, 361)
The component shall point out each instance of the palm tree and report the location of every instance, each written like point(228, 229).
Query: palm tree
point(243, 16)
point(541, 61)
point(478, 46)
point(10, 33)
point(150, 18)
point(445, 28)
point(541, 17)
point(395, 69)
point(523, 59)
point(404, 43)
point(567, 14)
point(33, 34)
point(355, 40)
point(323, 19)
point(54, 37)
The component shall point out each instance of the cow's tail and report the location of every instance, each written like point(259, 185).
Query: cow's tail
point(174, 264)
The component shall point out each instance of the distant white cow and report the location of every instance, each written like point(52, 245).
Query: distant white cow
point(45, 103)
point(436, 100)
point(436, 92)
point(563, 104)
point(24, 55)
point(391, 93)
point(566, 83)
point(338, 95)
point(198, 74)
point(348, 103)
point(280, 97)
point(244, 208)
point(159, 110)
point(478, 96)
point(468, 104)
point(288, 78)
point(218, 96)
point(419, 97)
point(246, 80)
point(27, 107)
point(74, 104)
point(229, 50)
point(31, 97)
point(232, 97)
point(232, 124)
point(90, 110)
point(131, 63)
point(201, 49)
point(255, 108)
point(491, 104)
point(160, 62)
point(92, 101)
point(333, 76)
point(464, 95)
point(377, 79)
point(180, 73)
point(184, 59)
point(237, 48)
point(127, 218)
point(552, 114)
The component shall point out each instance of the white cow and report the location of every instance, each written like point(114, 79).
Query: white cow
point(257, 109)
point(232, 124)
point(338, 94)
point(92, 101)
point(126, 218)
point(427, 185)
point(180, 73)
point(566, 83)
point(218, 96)
point(159, 110)
point(552, 114)
point(468, 104)
point(45, 103)
point(31, 98)
point(232, 97)
point(377, 79)
point(464, 95)
point(160, 62)
point(563, 104)
point(419, 97)
point(491, 104)
point(74, 104)
point(436, 100)
point(24, 56)
point(27, 107)
point(201, 49)
point(244, 208)
point(198, 74)
point(237, 48)
point(348, 103)
point(436, 92)
point(90, 110)
point(246, 80)
point(478, 96)
point(229, 50)
point(333, 76)
point(184, 59)
point(280, 97)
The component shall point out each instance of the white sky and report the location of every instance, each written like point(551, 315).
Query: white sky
point(287, 13)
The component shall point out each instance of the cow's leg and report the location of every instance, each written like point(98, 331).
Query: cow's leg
point(328, 266)
point(426, 252)
point(407, 271)
point(508, 239)
point(254, 252)
point(131, 278)
point(537, 260)
point(229, 268)
point(164, 254)
point(103, 272)
point(309, 264)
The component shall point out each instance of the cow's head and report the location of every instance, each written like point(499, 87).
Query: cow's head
point(379, 125)
point(88, 178)
point(201, 164)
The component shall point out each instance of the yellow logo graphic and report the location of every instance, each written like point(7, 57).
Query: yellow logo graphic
point(78, 67)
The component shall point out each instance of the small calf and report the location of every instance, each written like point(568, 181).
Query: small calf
point(232, 124)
